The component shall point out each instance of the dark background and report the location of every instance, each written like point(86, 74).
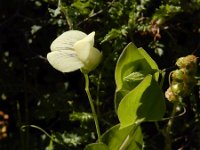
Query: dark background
point(33, 92)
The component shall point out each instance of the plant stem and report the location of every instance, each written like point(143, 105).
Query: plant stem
point(19, 123)
point(92, 106)
point(162, 72)
point(168, 140)
point(26, 115)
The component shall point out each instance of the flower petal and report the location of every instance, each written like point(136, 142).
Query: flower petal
point(89, 55)
point(83, 49)
point(67, 40)
point(84, 46)
point(64, 60)
point(93, 59)
point(89, 39)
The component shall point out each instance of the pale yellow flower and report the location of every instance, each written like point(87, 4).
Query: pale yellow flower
point(74, 50)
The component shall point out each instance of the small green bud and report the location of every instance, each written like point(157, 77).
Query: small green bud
point(181, 62)
point(178, 75)
point(177, 88)
point(189, 62)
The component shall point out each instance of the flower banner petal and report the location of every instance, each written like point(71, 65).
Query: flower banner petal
point(67, 40)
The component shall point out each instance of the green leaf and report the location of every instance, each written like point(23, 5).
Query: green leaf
point(96, 146)
point(133, 77)
point(83, 7)
point(132, 61)
point(144, 103)
point(150, 61)
point(129, 138)
point(165, 12)
point(114, 33)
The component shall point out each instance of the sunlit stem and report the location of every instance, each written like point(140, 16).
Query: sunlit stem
point(162, 72)
point(92, 106)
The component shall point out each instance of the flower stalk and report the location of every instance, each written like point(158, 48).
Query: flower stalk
point(92, 106)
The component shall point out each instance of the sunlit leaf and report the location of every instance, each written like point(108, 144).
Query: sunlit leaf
point(132, 61)
point(144, 103)
point(96, 146)
point(129, 138)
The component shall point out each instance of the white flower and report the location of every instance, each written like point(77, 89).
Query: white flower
point(74, 50)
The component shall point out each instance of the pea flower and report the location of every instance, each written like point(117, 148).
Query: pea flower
point(74, 50)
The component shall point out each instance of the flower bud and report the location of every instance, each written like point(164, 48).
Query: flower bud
point(189, 62)
point(170, 95)
point(177, 88)
point(178, 75)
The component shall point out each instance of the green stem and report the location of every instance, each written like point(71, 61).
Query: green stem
point(92, 106)
point(168, 140)
point(52, 138)
point(42, 130)
point(162, 72)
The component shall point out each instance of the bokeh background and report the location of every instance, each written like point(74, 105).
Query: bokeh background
point(34, 93)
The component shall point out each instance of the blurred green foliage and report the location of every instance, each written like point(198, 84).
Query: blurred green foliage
point(32, 92)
